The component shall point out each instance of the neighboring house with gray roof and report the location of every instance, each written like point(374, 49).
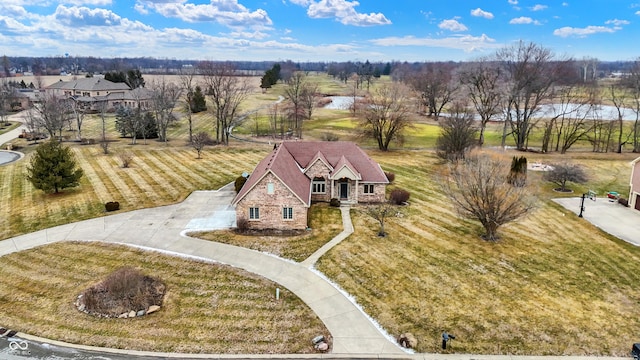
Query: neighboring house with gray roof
point(91, 93)
point(279, 192)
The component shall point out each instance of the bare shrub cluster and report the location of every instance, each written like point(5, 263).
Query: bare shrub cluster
point(124, 290)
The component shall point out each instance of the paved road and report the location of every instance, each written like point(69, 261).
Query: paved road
point(164, 229)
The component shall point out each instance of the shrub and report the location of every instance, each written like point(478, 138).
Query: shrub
point(242, 224)
point(124, 290)
point(240, 180)
point(329, 136)
point(399, 196)
point(390, 176)
point(334, 202)
point(624, 202)
point(126, 158)
point(112, 206)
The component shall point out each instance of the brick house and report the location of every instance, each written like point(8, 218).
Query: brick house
point(634, 193)
point(91, 93)
point(278, 193)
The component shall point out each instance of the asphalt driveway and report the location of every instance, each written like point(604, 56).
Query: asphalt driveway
point(611, 217)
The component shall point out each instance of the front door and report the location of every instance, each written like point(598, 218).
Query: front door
point(637, 202)
point(344, 190)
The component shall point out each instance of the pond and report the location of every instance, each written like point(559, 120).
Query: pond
point(7, 157)
point(340, 102)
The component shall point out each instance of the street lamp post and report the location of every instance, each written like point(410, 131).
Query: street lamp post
point(582, 205)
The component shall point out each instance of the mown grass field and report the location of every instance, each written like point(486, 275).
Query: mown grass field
point(158, 176)
point(208, 308)
point(554, 284)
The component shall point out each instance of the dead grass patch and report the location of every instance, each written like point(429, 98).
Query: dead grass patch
point(325, 223)
point(208, 308)
point(554, 284)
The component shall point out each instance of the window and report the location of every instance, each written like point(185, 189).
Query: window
point(368, 189)
point(254, 213)
point(318, 186)
point(270, 188)
point(287, 213)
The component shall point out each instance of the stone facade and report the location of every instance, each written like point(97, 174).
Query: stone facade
point(270, 205)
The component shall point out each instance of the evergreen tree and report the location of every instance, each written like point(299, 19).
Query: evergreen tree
point(53, 168)
point(198, 102)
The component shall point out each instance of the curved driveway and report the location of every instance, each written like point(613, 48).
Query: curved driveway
point(163, 229)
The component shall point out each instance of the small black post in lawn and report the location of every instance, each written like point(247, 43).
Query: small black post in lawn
point(582, 205)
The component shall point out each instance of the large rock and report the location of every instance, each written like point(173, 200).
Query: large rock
point(407, 340)
point(321, 346)
point(152, 309)
point(132, 314)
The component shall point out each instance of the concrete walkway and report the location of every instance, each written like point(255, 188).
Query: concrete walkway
point(348, 230)
point(164, 228)
point(13, 134)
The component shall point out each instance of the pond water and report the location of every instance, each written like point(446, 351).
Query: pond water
point(7, 157)
point(599, 112)
point(340, 102)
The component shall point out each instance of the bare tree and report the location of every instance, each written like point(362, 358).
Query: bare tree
point(79, 113)
point(309, 94)
point(52, 113)
point(386, 115)
point(102, 110)
point(381, 212)
point(563, 173)
point(165, 97)
point(479, 189)
point(434, 82)
point(187, 80)
point(199, 141)
point(632, 82)
point(227, 91)
point(6, 95)
point(482, 81)
point(294, 95)
point(568, 121)
point(530, 71)
point(457, 134)
point(277, 122)
point(618, 96)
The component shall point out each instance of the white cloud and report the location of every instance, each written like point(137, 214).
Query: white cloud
point(638, 12)
point(344, 11)
point(452, 25)
point(565, 4)
point(513, 2)
point(466, 43)
point(617, 22)
point(569, 31)
point(481, 13)
point(225, 12)
point(82, 16)
point(538, 7)
point(523, 20)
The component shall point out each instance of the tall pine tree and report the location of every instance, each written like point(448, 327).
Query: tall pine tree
point(53, 168)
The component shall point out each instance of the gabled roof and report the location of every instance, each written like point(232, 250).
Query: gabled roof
point(319, 157)
point(289, 160)
point(281, 164)
point(344, 163)
point(89, 84)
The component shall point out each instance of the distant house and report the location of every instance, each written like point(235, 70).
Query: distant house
point(280, 190)
point(94, 92)
point(634, 193)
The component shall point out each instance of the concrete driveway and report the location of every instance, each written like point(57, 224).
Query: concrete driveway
point(611, 217)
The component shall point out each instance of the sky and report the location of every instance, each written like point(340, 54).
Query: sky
point(317, 30)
